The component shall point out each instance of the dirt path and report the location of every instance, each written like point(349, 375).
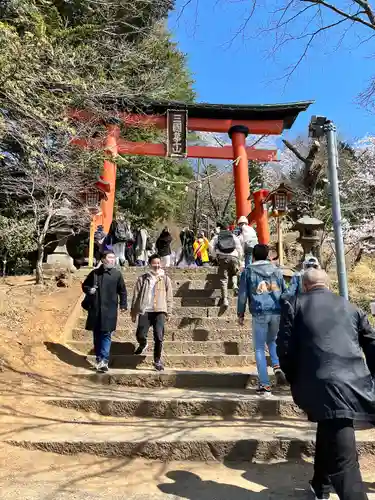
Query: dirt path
point(45, 476)
point(32, 319)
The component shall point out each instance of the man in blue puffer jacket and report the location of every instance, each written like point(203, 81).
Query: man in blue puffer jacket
point(262, 284)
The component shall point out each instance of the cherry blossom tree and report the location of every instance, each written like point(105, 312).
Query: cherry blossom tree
point(356, 182)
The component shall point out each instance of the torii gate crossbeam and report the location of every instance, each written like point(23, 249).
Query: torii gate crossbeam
point(237, 121)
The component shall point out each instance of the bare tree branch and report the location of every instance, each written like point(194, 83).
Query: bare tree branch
point(343, 13)
point(226, 206)
point(214, 206)
point(294, 150)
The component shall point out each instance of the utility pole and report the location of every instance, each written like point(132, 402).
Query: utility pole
point(196, 217)
point(320, 126)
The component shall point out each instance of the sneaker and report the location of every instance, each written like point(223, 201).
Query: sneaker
point(225, 303)
point(264, 390)
point(141, 351)
point(279, 374)
point(102, 367)
point(158, 365)
point(319, 495)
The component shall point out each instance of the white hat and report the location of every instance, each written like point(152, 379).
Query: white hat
point(311, 261)
point(242, 220)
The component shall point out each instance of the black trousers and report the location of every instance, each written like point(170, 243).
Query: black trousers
point(157, 321)
point(336, 460)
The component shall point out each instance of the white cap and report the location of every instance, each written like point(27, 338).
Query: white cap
point(242, 220)
point(311, 261)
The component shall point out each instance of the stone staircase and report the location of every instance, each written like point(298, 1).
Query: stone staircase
point(203, 407)
point(201, 333)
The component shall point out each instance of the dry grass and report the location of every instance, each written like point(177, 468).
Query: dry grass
point(362, 284)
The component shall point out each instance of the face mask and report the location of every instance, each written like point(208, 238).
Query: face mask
point(108, 265)
point(155, 270)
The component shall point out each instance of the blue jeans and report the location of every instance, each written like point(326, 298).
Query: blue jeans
point(265, 329)
point(102, 345)
point(248, 258)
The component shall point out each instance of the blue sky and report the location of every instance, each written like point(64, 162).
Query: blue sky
point(244, 71)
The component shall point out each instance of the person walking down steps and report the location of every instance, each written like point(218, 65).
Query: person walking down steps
point(105, 290)
point(262, 285)
point(152, 304)
point(119, 234)
point(227, 248)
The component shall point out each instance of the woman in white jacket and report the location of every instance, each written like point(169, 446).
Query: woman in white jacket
point(248, 239)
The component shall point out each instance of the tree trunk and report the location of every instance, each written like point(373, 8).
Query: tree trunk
point(39, 277)
point(227, 203)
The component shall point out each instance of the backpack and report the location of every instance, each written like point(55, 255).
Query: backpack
point(122, 232)
point(226, 242)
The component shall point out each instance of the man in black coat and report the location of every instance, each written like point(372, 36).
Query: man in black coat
point(106, 286)
point(326, 349)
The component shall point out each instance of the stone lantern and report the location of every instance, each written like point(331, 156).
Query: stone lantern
point(309, 235)
point(63, 221)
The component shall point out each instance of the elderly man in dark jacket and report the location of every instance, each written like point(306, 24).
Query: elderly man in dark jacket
point(326, 349)
point(105, 285)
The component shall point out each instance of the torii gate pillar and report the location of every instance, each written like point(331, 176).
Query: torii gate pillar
point(109, 174)
point(238, 134)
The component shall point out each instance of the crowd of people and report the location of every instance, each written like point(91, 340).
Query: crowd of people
point(318, 342)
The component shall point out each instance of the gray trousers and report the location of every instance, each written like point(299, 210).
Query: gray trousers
point(119, 251)
point(228, 269)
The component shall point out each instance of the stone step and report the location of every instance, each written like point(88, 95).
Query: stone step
point(196, 439)
point(171, 271)
point(193, 378)
point(205, 293)
point(183, 323)
point(196, 298)
point(194, 301)
point(207, 348)
point(197, 335)
point(174, 403)
point(181, 360)
point(184, 286)
point(205, 312)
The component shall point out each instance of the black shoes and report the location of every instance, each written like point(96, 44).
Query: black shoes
point(158, 365)
point(319, 494)
point(141, 351)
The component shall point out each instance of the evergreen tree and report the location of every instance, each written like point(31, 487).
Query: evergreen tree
point(56, 55)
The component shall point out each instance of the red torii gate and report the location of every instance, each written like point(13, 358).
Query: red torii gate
point(236, 120)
